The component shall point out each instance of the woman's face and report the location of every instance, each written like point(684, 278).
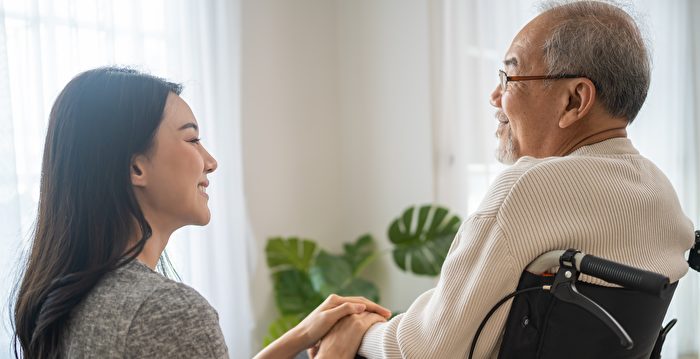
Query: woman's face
point(170, 181)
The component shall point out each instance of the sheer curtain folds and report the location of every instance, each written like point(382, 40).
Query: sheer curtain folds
point(470, 38)
point(43, 44)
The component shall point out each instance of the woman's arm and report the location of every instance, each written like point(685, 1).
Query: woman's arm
point(317, 324)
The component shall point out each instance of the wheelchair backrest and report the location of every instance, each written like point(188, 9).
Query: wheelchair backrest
point(541, 326)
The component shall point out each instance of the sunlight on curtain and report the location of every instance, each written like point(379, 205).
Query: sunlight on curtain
point(44, 43)
point(666, 131)
point(470, 39)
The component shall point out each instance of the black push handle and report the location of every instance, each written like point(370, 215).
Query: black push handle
point(626, 276)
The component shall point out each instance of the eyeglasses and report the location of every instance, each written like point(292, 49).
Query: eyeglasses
point(505, 78)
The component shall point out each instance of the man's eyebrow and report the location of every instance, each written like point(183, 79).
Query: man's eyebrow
point(510, 62)
point(189, 125)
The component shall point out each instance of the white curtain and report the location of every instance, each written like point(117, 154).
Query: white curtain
point(44, 43)
point(667, 130)
point(470, 38)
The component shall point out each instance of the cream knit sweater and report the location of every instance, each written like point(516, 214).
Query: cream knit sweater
point(604, 199)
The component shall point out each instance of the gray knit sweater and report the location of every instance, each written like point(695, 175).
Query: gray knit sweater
point(134, 312)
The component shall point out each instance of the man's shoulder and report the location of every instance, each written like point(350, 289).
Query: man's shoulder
point(540, 177)
point(504, 183)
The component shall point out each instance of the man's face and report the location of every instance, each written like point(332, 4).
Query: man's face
point(527, 116)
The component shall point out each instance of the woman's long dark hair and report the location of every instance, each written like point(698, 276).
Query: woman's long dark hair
point(87, 208)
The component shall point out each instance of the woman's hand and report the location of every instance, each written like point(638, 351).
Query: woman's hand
point(334, 308)
point(345, 337)
point(317, 324)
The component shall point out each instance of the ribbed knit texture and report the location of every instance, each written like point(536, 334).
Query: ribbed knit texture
point(604, 199)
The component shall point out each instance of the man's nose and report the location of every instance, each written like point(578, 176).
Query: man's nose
point(496, 97)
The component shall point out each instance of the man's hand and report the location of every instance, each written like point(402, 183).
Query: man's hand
point(317, 324)
point(344, 339)
point(334, 308)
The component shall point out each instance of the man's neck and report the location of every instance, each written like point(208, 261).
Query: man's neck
point(594, 138)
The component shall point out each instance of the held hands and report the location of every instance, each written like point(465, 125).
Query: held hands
point(344, 339)
point(333, 309)
point(322, 320)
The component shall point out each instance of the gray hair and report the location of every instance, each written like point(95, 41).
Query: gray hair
point(601, 41)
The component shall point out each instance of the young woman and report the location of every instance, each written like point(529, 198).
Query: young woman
point(123, 168)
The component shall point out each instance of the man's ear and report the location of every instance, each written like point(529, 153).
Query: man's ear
point(581, 96)
point(138, 172)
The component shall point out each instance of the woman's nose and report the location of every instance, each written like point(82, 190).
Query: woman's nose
point(210, 163)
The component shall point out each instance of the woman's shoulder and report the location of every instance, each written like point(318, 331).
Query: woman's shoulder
point(134, 285)
point(147, 287)
point(174, 320)
point(138, 311)
point(145, 297)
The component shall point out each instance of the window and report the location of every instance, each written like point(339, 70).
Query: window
point(44, 43)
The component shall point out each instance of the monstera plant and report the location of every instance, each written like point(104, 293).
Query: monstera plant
point(304, 274)
point(421, 241)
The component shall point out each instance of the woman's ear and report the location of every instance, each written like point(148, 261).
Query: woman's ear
point(581, 96)
point(138, 173)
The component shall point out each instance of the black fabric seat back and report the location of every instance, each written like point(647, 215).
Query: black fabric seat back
point(541, 326)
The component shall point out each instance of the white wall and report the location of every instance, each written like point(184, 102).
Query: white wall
point(385, 123)
point(336, 127)
point(290, 127)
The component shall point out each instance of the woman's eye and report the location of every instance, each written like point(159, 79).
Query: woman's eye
point(195, 141)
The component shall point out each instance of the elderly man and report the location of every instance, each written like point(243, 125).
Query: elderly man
point(574, 78)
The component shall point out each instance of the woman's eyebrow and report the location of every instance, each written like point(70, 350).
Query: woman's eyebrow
point(189, 125)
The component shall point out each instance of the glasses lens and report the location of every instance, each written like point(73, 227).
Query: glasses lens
point(504, 79)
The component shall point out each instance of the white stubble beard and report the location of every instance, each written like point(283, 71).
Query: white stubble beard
point(506, 152)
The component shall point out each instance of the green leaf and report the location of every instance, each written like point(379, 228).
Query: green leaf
point(407, 219)
point(396, 234)
point(361, 287)
point(421, 247)
point(330, 273)
point(333, 274)
point(361, 253)
point(438, 217)
point(400, 255)
point(294, 293)
point(422, 218)
point(280, 326)
point(291, 253)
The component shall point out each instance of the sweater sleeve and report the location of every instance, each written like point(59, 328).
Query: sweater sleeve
point(175, 322)
point(478, 272)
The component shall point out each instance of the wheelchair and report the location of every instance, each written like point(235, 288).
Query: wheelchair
point(557, 316)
